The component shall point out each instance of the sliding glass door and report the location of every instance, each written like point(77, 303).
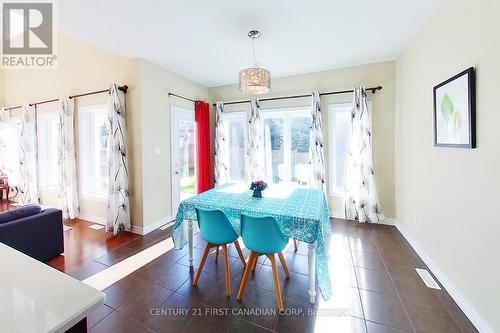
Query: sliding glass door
point(286, 142)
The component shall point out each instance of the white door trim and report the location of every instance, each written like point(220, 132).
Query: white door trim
point(177, 113)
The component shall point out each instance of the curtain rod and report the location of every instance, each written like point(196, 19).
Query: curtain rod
point(373, 90)
point(181, 97)
point(122, 88)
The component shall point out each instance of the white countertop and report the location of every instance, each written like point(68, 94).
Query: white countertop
point(35, 297)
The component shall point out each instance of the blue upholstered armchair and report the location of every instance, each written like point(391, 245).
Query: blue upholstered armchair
point(39, 235)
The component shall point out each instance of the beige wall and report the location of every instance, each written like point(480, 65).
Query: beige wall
point(446, 197)
point(156, 83)
point(339, 79)
point(1, 88)
point(82, 67)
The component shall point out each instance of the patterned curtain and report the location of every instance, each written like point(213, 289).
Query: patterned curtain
point(4, 119)
point(118, 194)
point(27, 156)
point(316, 149)
point(68, 187)
point(221, 158)
point(361, 200)
point(255, 152)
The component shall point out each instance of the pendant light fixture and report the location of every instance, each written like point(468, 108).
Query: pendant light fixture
point(255, 80)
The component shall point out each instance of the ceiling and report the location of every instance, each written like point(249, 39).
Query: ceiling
point(206, 41)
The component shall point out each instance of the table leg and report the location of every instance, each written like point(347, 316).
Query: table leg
point(311, 256)
point(190, 242)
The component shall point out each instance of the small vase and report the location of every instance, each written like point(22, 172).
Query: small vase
point(257, 194)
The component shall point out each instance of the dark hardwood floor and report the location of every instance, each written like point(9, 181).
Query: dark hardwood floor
point(83, 244)
point(375, 287)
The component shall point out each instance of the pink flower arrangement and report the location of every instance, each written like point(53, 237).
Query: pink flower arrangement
point(258, 185)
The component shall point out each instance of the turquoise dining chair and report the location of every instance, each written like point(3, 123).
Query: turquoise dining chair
point(217, 231)
point(262, 236)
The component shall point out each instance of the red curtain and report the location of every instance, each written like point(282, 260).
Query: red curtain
point(202, 118)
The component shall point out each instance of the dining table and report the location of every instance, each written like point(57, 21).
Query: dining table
point(301, 213)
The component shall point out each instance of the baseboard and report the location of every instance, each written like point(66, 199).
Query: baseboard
point(336, 215)
point(153, 226)
point(92, 218)
point(387, 221)
point(468, 310)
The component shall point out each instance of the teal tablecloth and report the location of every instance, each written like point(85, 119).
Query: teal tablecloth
point(302, 215)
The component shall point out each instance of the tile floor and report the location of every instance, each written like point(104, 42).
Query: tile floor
point(375, 289)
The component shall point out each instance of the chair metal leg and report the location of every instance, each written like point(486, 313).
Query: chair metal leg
point(217, 254)
point(283, 264)
point(276, 281)
point(238, 248)
point(246, 274)
point(202, 263)
point(294, 245)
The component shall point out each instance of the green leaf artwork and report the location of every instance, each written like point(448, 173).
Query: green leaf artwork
point(456, 120)
point(446, 107)
point(452, 118)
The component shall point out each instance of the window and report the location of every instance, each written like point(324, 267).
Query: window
point(13, 131)
point(236, 129)
point(286, 142)
point(339, 124)
point(94, 127)
point(48, 132)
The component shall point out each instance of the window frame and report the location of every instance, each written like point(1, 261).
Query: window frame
point(87, 152)
point(15, 122)
point(231, 116)
point(333, 189)
point(49, 116)
point(286, 113)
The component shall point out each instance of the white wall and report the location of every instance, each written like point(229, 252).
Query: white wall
point(453, 193)
point(156, 83)
point(340, 79)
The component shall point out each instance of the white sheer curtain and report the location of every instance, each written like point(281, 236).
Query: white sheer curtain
point(27, 156)
point(4, 121)
point(10, 131)
point(118, 194)
point(255, 143)
point(221, 158)
point(361, 199)
point(316, 149)
point(66, 161)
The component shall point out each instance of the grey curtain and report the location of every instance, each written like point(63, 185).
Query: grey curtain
point(316, 149)
point(255, 152)
point(361, 199)
point(118, 218)
point(68, 184)
point(221, 158)
point(27, 156)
